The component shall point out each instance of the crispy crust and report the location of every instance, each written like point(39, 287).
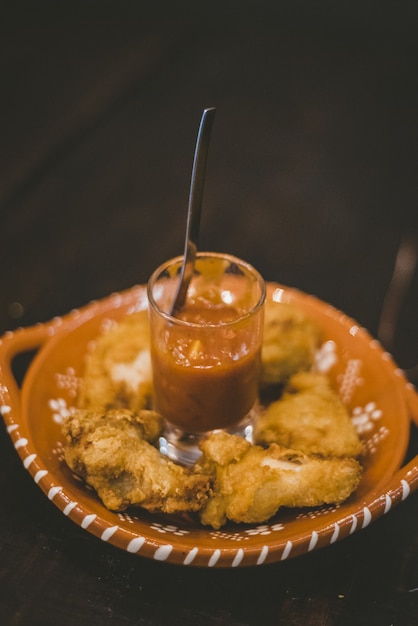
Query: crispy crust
point(112, 453)
point(309, 417)
point(252, 483)
point(118, 367)
point(289, 342)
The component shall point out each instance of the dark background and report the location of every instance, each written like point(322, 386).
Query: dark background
point(312, 177)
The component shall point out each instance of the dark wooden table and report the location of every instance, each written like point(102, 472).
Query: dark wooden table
point(312, 177)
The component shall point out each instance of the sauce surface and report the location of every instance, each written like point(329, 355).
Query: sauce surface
point(206, 377)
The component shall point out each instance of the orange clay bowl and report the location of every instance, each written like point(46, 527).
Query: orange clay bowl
point(374, 389)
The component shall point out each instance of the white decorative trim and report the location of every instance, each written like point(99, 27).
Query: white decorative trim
point(88, 520)
point(367, 517)
point(336, 533)
point(214, 558)
point(29, 460)
point(287, 550)
point(313, 541)
point(406, 489)
point(190, 556)
point(107, 534)
point(20, 443)
point(263, 555)
point(135, 544)
point(53, 492)
point(238, 558)
point(39, 474)
point(353, 525)
point(163, 552)
point(70, 506)
point(388, 503)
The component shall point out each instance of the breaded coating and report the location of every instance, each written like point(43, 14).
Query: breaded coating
point(118, 370)
point(252, 483)
point(289, 342)
point(309, 417)
point(111, 452)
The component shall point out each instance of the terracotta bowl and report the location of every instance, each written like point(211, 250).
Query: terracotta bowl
point(380, 400)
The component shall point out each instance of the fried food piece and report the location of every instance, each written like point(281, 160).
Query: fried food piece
point(112, 453)
point(118, 370)
point(289, 342)
point(252, 483)
point(309, 417)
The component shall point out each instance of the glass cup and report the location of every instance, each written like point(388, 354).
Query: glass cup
point(206, 359)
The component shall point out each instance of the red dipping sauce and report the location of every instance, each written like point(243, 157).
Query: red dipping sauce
point(210, 380)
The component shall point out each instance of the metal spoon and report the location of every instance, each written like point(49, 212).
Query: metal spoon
point(194, 208)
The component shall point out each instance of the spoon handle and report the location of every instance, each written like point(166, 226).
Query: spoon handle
point(194, 207)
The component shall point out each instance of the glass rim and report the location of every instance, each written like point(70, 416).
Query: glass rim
point(219, 255)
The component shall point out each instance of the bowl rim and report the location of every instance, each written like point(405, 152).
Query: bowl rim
point(181, 549)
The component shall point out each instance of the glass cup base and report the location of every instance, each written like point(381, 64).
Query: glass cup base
point(183, 447)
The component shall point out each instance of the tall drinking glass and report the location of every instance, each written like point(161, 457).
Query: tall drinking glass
point(206, 359)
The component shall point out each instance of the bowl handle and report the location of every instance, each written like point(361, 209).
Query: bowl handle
point(13, 343)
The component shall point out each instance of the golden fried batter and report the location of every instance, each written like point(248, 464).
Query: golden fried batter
point(118, 368)
point(110, 437)
point(309, 417)
point(252, 483)
point(112, 453)
point(289, 342)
